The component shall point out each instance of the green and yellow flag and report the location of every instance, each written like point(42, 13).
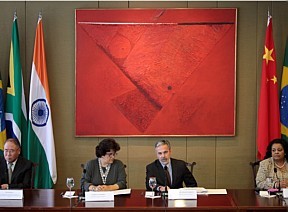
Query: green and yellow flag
point(15, 111)
point(2, 119)
point(284, 96)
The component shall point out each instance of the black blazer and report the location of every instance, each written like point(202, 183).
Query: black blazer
point(21, 176)
point(180, 174)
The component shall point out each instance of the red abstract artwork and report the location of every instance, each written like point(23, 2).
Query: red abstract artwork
point(155, 72)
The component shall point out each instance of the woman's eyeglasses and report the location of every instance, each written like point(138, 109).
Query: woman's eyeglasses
point(110, 154)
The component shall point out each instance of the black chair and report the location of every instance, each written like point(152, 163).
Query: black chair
point(34, 167)
point(191, 165)
point(255, 166)
point(82, 193)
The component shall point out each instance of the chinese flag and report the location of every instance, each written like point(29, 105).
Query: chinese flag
point(268, 108)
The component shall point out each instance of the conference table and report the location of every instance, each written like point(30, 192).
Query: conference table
point(235, 200)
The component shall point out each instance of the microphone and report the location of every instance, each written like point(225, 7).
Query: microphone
point(275, 171)
point(165, 171)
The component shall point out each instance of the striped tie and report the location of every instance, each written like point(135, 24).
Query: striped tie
point(168, 178)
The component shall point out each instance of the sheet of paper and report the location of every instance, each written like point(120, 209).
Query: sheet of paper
point(198, 189)
point(266, 194)
point(69, 194)
point(151, 195)
point(285, 193)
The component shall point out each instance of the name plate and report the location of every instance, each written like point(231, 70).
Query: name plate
point(182, 194)
point(99, 204)
point(11, 203)
point(285, 192)
point(11, 194)
point(181, 203)
point(100, 196)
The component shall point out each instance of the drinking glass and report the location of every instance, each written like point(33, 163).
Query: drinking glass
point(152, 183)
point(70, 183)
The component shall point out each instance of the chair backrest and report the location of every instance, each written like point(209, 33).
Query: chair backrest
point(83, 174)
point(82, 192)
point(191, 166)
point(254, 166)
point(34, 167)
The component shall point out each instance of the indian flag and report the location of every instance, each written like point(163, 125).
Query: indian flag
point(40, 130)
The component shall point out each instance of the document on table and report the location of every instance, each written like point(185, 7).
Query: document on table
point(151, 195)
point(69, 195)
point(201, 190)
point(266, 194)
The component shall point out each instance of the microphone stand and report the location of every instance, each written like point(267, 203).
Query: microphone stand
point(279, 187)
point(164, 193)
point(165, 183)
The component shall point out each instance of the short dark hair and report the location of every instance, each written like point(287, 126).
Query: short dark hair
point(283, 143)
point(105, 146)
point(14, 141)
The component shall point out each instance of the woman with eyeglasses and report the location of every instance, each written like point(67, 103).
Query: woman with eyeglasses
point(105, 173)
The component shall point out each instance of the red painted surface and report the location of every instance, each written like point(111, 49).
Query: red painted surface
point(155, 72)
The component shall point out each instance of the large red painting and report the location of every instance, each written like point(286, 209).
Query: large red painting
point(155, 72)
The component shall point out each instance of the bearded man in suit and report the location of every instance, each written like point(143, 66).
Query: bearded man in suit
point(169, 172)
point(15, 171)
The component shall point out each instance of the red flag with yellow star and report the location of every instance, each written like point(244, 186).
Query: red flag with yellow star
point(268, 108)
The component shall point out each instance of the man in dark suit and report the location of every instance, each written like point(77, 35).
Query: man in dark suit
point(169, 172)
point(15, 171)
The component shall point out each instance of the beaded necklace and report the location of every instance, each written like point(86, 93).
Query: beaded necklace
point(102, 173)
point(280, 167)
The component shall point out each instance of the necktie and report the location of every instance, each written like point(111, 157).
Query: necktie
point(168, 178)
point(9, 172)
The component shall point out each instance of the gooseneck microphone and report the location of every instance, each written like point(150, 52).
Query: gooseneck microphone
point(165, 183)
point(275, 171)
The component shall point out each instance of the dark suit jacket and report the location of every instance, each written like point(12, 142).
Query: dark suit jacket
point(21, 176)
point(180, 174)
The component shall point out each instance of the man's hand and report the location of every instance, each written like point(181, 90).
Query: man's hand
point(162, 188)
point(4, 186)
